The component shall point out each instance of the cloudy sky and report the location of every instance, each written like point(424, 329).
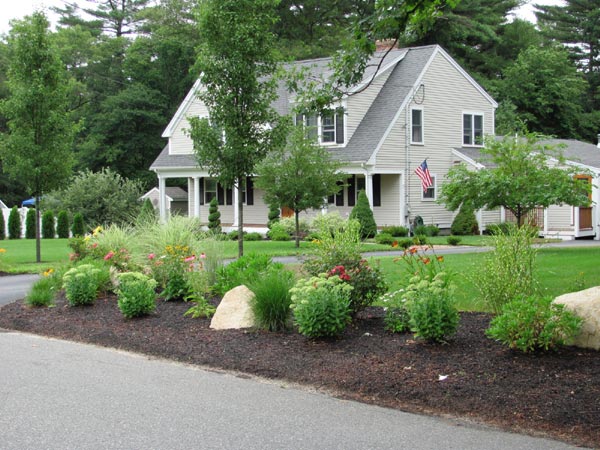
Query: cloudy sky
point(12, 9)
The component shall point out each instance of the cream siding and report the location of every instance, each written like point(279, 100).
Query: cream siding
point(258, 213)
point(389, 211)
point(560, 218)
point(179, 142)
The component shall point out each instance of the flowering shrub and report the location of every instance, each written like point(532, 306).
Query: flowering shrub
point(81, 284)
point(339, 246)
point(397, 314)
point(321, 306)
point(136, 295)
point(367, 283)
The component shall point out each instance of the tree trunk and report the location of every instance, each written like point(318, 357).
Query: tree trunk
point(240, 207)
point(38, 246)
point(297, 216)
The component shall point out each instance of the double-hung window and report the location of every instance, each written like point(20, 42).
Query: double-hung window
point(429, 194)
point(327, 128)
point(416, 123)
point(472, 129)
point(210, 189)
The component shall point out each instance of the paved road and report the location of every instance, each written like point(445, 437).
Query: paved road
point(63, 395)
point(14, 287)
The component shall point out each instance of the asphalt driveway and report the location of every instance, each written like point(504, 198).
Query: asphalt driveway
point(14, 287)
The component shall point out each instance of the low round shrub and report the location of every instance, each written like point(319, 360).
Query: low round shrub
point(384, 239)
point(233, 235)
point(321, 306)
point(420, 239)
point(496, 229)
point(465, 222)
point(395, 230)
point(367, 283)
point(81, 284)
point(254, 236)
point(278, 232)
point(405, 243)
point(534, 323)
point(136, 294)
point(272, 298)
point(453, 240)
point(432, 230)
point(420, 230)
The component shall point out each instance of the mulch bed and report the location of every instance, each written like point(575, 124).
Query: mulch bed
point(552, 394)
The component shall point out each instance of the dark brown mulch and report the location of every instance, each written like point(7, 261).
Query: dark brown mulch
point(553, 394)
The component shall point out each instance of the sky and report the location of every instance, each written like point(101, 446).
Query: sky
point(11, 9)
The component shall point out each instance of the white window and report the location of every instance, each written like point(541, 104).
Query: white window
point(328, 128)
point(472, 129)
point(430, 193)
point(416, 122)
point(210, 189)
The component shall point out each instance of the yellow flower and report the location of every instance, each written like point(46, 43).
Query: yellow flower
point(87, 238)
point(97, 230)
point(48, 272)
point(2, 250)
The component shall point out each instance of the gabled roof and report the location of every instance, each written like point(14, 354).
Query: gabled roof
point(166, 161)
point(173, 193)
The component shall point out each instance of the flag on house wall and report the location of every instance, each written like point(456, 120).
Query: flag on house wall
point(423, 173)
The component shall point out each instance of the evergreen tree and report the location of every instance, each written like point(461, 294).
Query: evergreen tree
point(364, 214)
point(465, 222)
point(14, 224)
point(48, 227)
point(214, 217)
point(147, 211)
point(30, 224)
point(62, 224)
point(273, 216)
point(78, 229)
point(2, 227)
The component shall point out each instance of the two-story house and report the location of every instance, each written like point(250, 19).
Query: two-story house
point(419, 105)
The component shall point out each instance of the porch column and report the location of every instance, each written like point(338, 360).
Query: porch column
point(402, 220)
point(595, 203)
point(480, 221)
point(576, 221)
point(545, 222)
point(197, 197)
point(325, 207)
point(369, 187)
point(502, 214)
point(236, 196)
point(162, 199)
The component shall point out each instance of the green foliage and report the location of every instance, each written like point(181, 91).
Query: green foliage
point(364, 214)
point(30, 224)
point(534, 323)
point(509, 271)
point(214, 217)
point(272, 298)
point(233, 235)
point(432, 230)
point(147, 211)
point(420, 230)
point(48, 229)
point(100, 197)
point(340, 246)
point(465, 222)
point(299, 176)
point(202, 307)
point(405, 243)
point(241, 271)
point(367, 283)
point(114, 245)
point(278, 232)
point(81, 284)
point(136, 295)
point(273, 216)
point(62, 225)
point(14, 223)
point(397, 315)
point(420, 239)
point(176, 288)
point(44, 291)
point(520, 176)
point(253, 236)
point(78, 228)
point(396, 231)
point(384, 239)
point(453, 240)
point(331, 221)
point(289, 225)
point(2, 227)
point(499, 228)
point(321, 306)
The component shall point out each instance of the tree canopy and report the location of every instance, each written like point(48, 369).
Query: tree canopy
point(520, 174)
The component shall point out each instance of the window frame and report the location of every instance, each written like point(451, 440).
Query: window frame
point(472, 134)
point(318, 130)
point(412, 126)
point(433, 188)
point(207, 191)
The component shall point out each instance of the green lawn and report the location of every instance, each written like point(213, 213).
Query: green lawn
point(20, 255)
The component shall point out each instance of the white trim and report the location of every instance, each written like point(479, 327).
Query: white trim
point(422, 109)
point(462, 128)
point(179, 114)
point(385, 68)
point(468, 160)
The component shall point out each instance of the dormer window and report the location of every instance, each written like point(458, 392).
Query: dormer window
point(328, 128)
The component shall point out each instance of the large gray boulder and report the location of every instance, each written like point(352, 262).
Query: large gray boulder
point(585, 304)
point(234, 311)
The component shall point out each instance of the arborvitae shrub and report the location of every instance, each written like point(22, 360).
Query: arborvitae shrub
point(363, 213)
point(147, 211)
point(2, 227)
point(30, 224)
point(214, 217)
point(273, 215)
point(465, 222)
point(48, 228)
point(78, 228)
point(62, 225)
point(14, 224)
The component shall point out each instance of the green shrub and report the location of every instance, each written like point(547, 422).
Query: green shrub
point(364, 214)
point(78, 228)
point(147, 211)
point(81, 284)
point(321, 306)
point(233, 235)
point(2, 227)
point(30, 224)
point(331, 221)
point(367, 283)
point(338, 247)
point(273, 215)
point(534, 323)
point(420, 239)
point(289, 225)
point(432, 230)
point(272, 298)
point(176, 288)
point(395, 230)
point(62, 225)
point(214, 216)
point(405, 243)
point(384, 239)
point(453, 240)
point(14, 224)
point(509, 271)
point(420, 230)
point(253, 236)
point(496, 229)
point(240, 271)
point(397, 315)
point(48, 226)
point(278, 232)
point(136, 294)
point(202, 307)
point(465, 222)
point(43, 292)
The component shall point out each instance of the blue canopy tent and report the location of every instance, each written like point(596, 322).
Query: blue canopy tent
point(28, 202)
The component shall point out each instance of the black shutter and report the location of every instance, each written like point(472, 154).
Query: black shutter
point(330, 199)
point(352, 190)
point(377, 190)
point(339, 126)
point(229, 196)
point(249, 192)
point(220, 194)
point(201, 190)
point(339, 197)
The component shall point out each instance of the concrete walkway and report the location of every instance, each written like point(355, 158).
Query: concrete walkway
point(62, 395)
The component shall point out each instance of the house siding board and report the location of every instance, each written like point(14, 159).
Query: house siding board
point(180, 143)
point(560, 218)
point(389, 211)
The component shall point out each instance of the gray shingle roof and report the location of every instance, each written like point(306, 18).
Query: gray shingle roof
point(166, 161)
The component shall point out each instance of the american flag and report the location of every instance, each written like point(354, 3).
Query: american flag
point(423, 173)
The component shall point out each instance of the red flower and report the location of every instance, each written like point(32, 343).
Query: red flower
point(109, 255)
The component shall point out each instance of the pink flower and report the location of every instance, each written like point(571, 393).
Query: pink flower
point(151, 256)
point(203, 255)
point(109, 255)
point(94, 245)
point(190, 258)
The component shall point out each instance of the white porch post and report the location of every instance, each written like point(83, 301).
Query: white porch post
point(369, 187)
point(403, 213)
point(325, 207)
point(162, 199)
point(236, 215)
point(576, 221)
point(502, 214)
point(480, 221)
point(197, 197)
point(545, 222)
point(595, 203)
